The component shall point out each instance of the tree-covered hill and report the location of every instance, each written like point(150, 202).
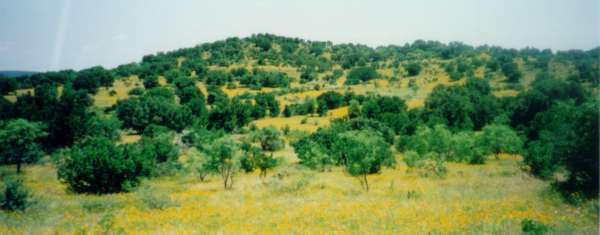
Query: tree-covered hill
point(269, 103)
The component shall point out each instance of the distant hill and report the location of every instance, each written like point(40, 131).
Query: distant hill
point(15, 73)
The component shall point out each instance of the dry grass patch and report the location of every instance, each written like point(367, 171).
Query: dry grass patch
point(121, 87)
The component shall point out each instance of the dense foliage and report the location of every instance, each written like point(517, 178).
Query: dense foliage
point(19, 142)
point(97, 165)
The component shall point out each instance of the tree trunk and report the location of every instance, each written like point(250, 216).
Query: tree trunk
point(19, 166)
point(230, 180)
point(263, 173)
point(225, 177)
point(366, 182)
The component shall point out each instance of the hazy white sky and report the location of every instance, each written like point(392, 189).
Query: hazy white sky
point(59, 34)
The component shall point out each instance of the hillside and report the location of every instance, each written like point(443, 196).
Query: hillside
point(270, 134)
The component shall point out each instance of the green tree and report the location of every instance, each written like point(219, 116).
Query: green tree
point(150, 81)
point(197, 163)
point(223, 160)
point(7, 84)
point(97, 165)
point(568, 137)
point(287, 111)
point(97, 125)
point(511, 71)
point(19, 142)
point(354, 109)
point(331, 99)
point(366, 152)
point(413, 69)
point(215, 95)
point(496, 139)
point(189, 93)
point(92, 78)
point(269, 139)
point(322, 109)
point(437, 139)
point(159, 148)
point(312, 155)
point(361, 74)
point(263, 161)
point(268, 102)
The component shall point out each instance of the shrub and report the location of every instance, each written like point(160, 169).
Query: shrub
point(413, 69)
point(428, 164)
point(434, 166)
point(97, 165)
point(247, 164)
point(411, 159)
point(360, 74)
point(159, 148)
point(331, 99)
point(15, 196)
point(136, 91)
point(532, 227)
point(496, 139)
point(312, 155)
point(151, 81)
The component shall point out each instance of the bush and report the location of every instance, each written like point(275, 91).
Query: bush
point(16, 196)
point(312, 154)
point(413, 69)
point(434, 166)
point(532, 227)
point(269, 139)
point(361, 74)
point(411, 158)
point(247, 164)
point(496, 139)
point(136, 91)
point(159, 148)
point(331, 99)
point(97, 165)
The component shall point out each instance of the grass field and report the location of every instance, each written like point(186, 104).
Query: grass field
point(302, 122)
point(103, 97)
point(478, 199)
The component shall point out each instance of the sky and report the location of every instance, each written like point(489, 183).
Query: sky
point(43, 35)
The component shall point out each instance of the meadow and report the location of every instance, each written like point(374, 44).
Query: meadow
point(484, 199)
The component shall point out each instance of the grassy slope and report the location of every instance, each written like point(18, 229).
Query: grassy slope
point(490, 198)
